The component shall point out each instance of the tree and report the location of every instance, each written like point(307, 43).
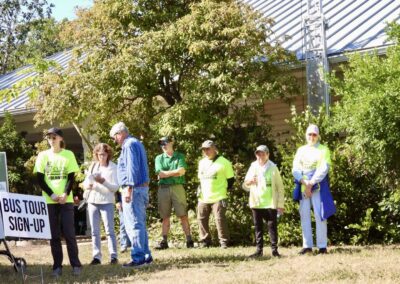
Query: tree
point(18, 151)
point(25, 30)
point(191, 69)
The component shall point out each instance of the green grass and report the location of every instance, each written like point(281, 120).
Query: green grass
point(373, 264)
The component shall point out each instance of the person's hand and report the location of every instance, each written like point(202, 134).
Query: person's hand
point(62, 199)
point(308, 191)
point(162, 174)
point(98, 178)
point(54, 197)
point(119, 206)
point(128, 195)
point(281, 211)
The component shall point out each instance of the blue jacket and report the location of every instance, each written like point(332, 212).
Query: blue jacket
point(328, 207)
point(132, 169)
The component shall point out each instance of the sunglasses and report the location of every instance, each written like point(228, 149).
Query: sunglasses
point(51, 137)
point(312, 134)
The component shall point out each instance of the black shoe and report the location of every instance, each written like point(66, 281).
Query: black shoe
point(257, 254)
point(190, 244)
point(95, 261)
point(322, 251)
point(133, 264)
point(275, 253)
point(114, 260)
point(305, 251)
point(57, 272)
point(162, 245)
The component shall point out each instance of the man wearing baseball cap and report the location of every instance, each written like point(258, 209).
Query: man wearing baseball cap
point(216, 176)
point(266, 199)
point(310, 170)
point(170, 166)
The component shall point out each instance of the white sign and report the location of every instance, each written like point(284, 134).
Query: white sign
point(3, 172)
point(24, 216)
point(1, 227)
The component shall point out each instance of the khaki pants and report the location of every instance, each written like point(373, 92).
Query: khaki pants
point(203, 216)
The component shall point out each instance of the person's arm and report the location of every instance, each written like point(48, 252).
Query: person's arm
point(249, 178)
point(297, 171)
point(70, 183)
point(230, 181)
point(322, 167)
point(136, 165)
point(108, 182)
point(180, 171)
point(279, 190)
point(43, 185)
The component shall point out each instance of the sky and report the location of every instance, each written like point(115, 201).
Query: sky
point(65, 8)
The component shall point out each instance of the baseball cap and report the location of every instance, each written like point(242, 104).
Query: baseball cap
point(55, 131)
point(261, 148)
point(164, 140)
point(312, 128)
point(117, 128)
point(207, 144)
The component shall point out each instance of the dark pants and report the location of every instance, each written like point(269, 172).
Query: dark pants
point(61, 217)
point(203, 216)
point(270, 216)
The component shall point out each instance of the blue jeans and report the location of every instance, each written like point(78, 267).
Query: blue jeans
point(124, 241)
point(305, 216)
point(135, 223)
point(106, 213)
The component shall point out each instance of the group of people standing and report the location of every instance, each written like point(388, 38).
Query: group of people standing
point(129, 181)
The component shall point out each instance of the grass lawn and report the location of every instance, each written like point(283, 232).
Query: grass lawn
point(347, 264)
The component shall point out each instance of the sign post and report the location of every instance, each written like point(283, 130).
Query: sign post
point(3, 172)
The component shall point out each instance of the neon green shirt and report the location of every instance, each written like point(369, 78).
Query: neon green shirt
point(213, 177)
point(261, 194)
point(56, 167)
point(166, 163)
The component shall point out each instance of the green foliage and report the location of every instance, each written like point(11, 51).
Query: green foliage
point(18, 152)
point(26, 32)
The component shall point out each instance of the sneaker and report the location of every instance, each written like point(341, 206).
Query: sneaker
point(305, 251)
point(122, 250)
point(114, 260)
point(190, 244)
point(257, 254)
point(57, 272)
point(204, 244)
point(224, 245)
point(134, 264)
point(95, 261)
point(149, 260)
point(322, 251)
point(162, 245)
point(76, 270)
point(275, 253)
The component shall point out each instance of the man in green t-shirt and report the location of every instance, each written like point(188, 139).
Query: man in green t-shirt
point(216, 176)
point(170, 167)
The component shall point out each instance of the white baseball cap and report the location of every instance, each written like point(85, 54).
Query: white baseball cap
point(312, 128)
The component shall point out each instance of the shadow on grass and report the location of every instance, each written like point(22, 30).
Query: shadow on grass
point(114, 273)
point(345, 250)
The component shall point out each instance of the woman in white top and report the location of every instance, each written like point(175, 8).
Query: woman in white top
point(100, 187)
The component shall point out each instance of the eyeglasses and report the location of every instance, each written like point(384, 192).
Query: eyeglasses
point(51, 137)
point(312, 134)
point(163, 144)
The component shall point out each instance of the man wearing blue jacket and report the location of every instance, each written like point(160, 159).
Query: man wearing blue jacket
point(310, 170)
point(133, 177)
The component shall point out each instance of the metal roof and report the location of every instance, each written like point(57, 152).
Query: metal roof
point(352, 24)
point(19, 105)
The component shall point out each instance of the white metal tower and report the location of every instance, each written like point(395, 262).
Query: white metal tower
point(314, 26)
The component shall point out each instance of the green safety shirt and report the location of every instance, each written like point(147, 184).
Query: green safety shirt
point(56, 167)
point(213, 177)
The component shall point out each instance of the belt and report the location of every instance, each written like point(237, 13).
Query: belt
point(145, 184)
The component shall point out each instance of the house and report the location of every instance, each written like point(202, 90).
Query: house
point(352, 26)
